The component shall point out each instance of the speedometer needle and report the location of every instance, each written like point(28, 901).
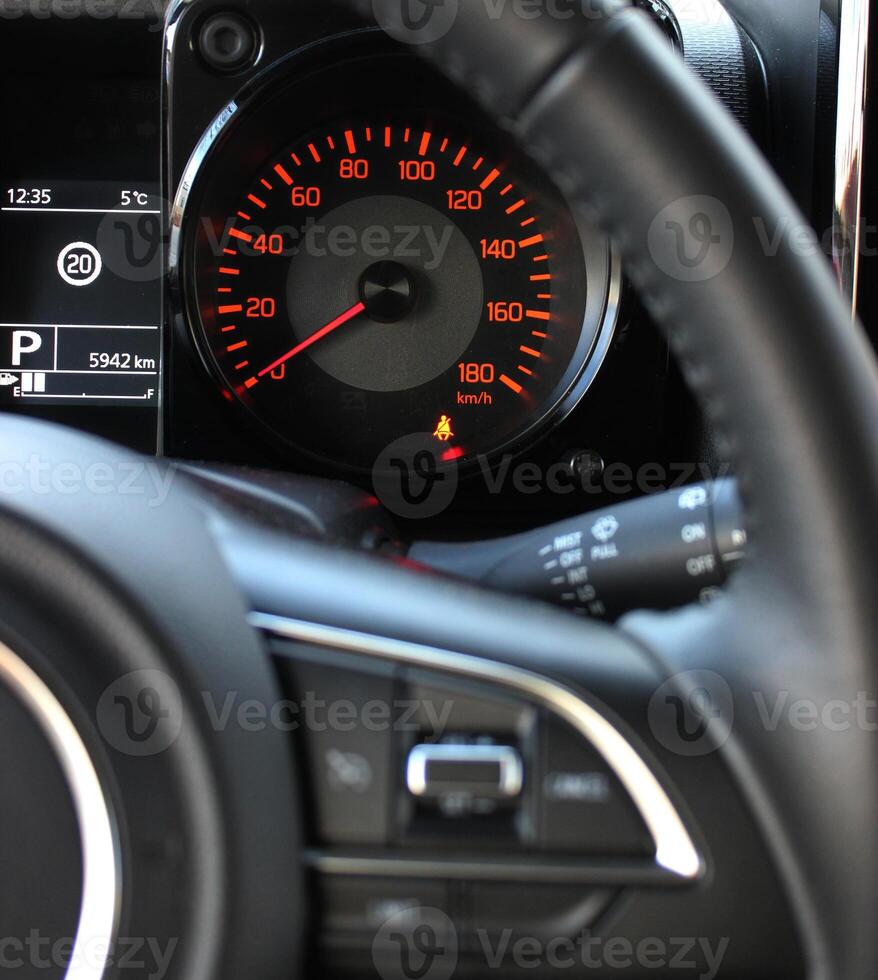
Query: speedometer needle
point(339, 321)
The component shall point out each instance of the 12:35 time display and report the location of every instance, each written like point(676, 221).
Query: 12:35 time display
point(28, 195)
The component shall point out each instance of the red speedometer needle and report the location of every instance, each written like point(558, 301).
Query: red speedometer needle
point(339, 321)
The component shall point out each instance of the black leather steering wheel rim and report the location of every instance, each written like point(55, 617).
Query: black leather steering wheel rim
point(790, 383)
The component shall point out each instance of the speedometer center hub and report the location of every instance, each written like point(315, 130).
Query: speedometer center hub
point(429, 334)
point(387, 290)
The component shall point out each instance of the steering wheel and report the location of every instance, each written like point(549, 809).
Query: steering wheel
point(127, 626)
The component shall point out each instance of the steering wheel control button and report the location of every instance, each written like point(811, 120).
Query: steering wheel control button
point(347, 728)
point(355, 908)
point(584, 807)
point(481, 771)
point(408, 926)
point(545, 912)
point(467, 777)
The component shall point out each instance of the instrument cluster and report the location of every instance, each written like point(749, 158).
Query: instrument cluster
point(356, 266)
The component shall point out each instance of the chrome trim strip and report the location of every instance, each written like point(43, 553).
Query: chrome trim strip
point(674, 848)
point(101, 889)
point(562, 871)
point(853, 44)
point(510, 777)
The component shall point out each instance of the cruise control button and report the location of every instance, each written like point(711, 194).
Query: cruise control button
point(483, 771)
point(583, 806)
point(348, 734)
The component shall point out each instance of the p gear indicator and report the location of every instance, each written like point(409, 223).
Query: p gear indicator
point(78, 361)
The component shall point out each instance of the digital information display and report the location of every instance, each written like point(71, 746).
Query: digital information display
point(80, 300)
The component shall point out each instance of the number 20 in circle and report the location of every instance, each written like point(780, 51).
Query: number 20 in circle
point(79, 263)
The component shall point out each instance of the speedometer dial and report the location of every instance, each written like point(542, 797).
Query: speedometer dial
point(378, 277)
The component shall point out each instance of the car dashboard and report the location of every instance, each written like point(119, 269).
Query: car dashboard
point(471, 565)
point(266, 241)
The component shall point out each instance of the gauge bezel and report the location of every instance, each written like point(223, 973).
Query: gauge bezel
point(343, 52)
